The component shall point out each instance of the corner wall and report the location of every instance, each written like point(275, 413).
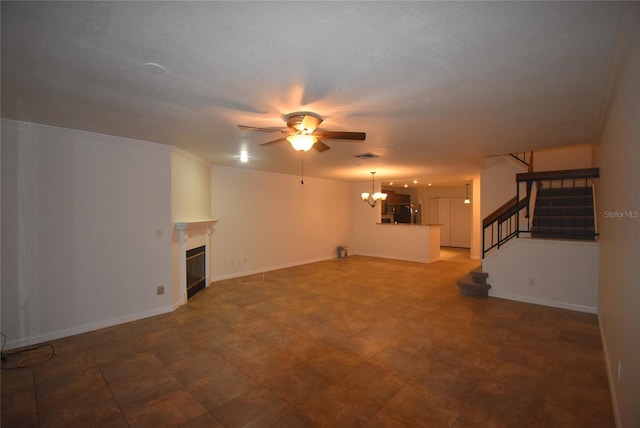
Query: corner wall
point(561, 274)
point(86, 231)
point(618, 202)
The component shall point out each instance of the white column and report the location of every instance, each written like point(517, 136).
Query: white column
point(182, 266)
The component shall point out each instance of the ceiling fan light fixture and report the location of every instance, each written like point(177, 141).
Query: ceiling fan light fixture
point(302, 142)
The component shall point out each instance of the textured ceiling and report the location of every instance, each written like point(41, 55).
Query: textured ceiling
point(435, 85)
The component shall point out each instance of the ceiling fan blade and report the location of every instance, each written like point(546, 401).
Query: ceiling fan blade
point(254, 128)
point(277, 140)
point(320, 146)
point(339, 135)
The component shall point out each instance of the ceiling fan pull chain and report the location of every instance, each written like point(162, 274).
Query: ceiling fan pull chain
point(302, 167)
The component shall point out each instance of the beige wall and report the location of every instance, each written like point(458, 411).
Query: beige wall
point(190, 187)
point(190, 201)
point(270, 221)
point(571, 157)
point(618, 204)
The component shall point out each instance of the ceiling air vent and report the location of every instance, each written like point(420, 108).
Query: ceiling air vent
point(367, 156)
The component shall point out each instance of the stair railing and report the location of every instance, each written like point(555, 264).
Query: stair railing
point(503, 224)
point(514, 217)
point(525, 158)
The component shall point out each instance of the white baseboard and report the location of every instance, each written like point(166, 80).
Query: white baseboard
point(59, 334)
point(543, 302)
point(610, 376)
point(404, 259)
point(268, 269)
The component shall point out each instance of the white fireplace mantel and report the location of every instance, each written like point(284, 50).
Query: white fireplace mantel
point(198, 224)
point(193, 226)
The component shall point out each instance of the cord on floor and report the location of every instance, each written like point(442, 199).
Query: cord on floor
point(29, 356)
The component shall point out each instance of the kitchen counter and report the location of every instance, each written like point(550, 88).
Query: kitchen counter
point(404, 241)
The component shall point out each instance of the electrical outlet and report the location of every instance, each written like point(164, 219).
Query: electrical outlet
point(160, 290)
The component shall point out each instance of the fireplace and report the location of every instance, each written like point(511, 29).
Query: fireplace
point(193, 254)
point(196, 270)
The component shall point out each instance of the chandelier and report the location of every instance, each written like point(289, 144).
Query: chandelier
point(374, 197)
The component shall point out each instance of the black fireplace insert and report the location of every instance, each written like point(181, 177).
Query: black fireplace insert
point(196, 271)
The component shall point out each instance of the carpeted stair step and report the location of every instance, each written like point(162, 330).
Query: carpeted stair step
point(478, 276)
point(564, 213)
point(468, 286)
point(572, 235)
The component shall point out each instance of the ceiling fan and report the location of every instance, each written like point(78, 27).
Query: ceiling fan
point(303, 132)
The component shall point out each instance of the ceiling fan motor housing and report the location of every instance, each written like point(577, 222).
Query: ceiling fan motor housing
point(303, 123)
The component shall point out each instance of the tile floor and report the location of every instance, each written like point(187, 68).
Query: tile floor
point(343, 343)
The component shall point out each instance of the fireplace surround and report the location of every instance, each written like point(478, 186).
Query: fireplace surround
point(192, 235)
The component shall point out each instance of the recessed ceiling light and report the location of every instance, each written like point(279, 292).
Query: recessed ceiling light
point(429, 184)
point(415, 181)
point(244, 156)
point(153, 68)
point(406, 185)
point(391, 183)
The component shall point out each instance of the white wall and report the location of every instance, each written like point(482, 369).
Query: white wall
point(409, 242)
point(498, 183)
point(86, 231)
point(561, 274)
point(270, 221)
point(619, 192)
point(190, 201)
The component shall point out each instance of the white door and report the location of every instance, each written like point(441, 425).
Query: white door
point(444, 218)
point(432, 211)
point(460, 230)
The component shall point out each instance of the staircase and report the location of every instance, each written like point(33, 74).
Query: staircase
point(564, 213)
point(474, 284)
point(548, 204)
point(562, 208)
